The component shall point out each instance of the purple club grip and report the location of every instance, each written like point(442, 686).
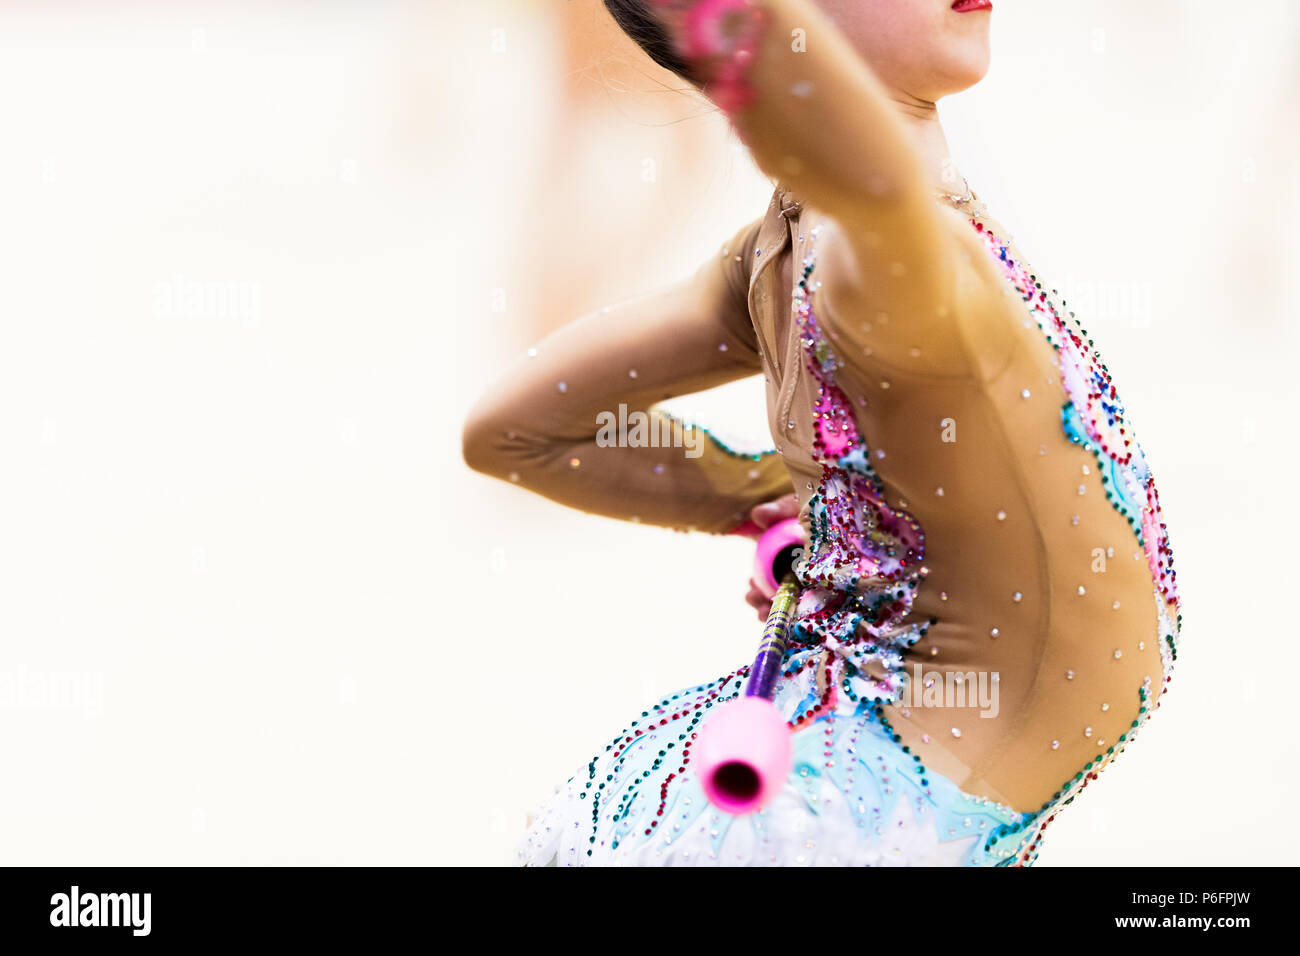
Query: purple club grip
point(762, 676)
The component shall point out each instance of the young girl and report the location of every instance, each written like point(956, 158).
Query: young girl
point(988, 610)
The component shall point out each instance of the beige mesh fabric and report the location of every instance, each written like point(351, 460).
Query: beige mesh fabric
point(540, 424)
point(1034, 576)
point(1015, 516)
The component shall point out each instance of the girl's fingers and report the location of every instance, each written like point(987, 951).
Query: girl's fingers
point(758, 601)
point(770, 512)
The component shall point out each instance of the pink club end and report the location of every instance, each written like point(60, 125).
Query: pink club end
point(743, 752)
point(776, 551)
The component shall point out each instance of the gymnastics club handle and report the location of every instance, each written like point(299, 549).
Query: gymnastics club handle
point(762, 676)
point(777, 551)
point(744, 750)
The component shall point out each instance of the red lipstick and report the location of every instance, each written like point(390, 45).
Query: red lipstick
point(966, 6)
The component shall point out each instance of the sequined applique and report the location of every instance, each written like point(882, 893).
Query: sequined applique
point(856, 794)
point(864, 557)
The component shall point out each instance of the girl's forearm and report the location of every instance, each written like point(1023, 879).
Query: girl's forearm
point(575, 419)
point(641, 466)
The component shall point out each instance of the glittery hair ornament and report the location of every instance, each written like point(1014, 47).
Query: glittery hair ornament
point(720, 39)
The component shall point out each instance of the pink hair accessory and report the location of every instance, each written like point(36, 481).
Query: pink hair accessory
point(721, 36)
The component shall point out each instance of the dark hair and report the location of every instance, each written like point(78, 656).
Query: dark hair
point(636, 20)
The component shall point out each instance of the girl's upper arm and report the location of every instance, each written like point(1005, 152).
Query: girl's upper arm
point(687, 337)
point(542, 423)
point(815, 116)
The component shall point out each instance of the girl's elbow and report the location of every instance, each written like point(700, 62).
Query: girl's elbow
point(503, 448)
point(480, 447)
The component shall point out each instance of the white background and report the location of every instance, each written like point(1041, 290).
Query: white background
point(256, 261)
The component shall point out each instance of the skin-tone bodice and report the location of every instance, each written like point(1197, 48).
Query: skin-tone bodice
point(1032, 573)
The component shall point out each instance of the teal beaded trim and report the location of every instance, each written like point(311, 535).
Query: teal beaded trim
point(630, 792)
point(1029, 843)
point(1111, 477)
point(717, 443)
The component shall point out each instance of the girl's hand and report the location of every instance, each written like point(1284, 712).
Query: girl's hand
point(764, 516)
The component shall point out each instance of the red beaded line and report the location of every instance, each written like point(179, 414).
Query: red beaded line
point(713, 692)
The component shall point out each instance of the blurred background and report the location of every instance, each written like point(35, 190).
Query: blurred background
point(258, 259)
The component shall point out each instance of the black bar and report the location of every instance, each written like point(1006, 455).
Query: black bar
point(485, 907)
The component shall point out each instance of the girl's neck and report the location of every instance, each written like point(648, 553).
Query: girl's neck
point(922, 120)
